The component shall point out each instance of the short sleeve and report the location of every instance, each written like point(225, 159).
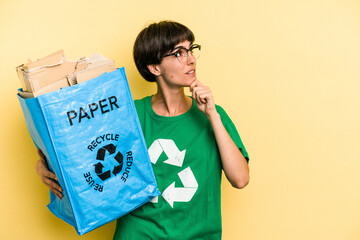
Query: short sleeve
point(231, 129)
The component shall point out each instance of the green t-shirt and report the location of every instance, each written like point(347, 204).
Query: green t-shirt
point(187, 167)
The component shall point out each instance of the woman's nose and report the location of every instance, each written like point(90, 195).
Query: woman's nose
point(190, 58)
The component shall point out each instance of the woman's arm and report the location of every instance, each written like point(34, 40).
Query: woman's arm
point(234, 163)
point(48, 177)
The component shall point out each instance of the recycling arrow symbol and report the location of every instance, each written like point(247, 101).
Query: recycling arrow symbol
point(172, 194)
point(176, 158)
point(111, 149)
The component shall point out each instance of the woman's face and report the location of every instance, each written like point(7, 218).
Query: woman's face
point(175, 73)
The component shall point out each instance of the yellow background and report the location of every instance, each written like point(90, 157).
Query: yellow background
point(286, 71)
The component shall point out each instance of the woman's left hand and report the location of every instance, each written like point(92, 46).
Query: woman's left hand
point(203, 98)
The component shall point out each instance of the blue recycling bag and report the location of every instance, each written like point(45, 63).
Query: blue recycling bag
point(92, 139)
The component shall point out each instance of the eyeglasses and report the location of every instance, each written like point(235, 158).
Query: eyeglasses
point(182, 53)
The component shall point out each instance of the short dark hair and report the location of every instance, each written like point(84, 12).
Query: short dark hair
point(155, 41)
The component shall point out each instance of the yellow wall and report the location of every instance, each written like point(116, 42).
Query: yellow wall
point(286, 71)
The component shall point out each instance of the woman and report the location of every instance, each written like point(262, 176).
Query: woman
point(208, 142)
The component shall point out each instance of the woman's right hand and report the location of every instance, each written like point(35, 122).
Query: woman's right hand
point(48, 177)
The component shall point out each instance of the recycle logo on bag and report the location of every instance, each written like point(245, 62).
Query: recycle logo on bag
point(108, 162)
point(111, 149)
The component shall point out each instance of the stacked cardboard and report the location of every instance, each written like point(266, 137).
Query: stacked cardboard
point(53, 72)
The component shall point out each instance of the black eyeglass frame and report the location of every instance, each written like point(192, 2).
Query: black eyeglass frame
point(187, 51)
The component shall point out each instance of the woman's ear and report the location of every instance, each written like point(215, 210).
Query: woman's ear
point(154, 69)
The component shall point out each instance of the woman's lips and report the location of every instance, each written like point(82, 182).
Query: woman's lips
point(191, 72)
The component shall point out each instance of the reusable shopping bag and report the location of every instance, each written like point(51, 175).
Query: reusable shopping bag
point(92, 139)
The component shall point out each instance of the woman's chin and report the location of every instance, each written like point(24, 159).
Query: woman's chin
point(188, 81)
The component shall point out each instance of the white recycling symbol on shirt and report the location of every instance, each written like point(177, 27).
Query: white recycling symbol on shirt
point(176, 158)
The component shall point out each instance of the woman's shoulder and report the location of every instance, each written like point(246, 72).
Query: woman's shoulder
point(141, 103)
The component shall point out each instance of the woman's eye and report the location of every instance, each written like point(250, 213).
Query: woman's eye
point(177, 54)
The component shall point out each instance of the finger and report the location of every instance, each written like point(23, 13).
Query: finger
point(44, 173)
point(44, 170)
point(42, 159)
point(195, 83)
point(50, 175)
point(52, 185)
point(40, 167)
point(201, 94)
point(197, 93)
point(41, 154)
point(194, 96)
point(56, 189)
point(57, 193)
point(204, 97)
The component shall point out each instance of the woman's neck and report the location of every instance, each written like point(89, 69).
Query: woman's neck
point(171, 102)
